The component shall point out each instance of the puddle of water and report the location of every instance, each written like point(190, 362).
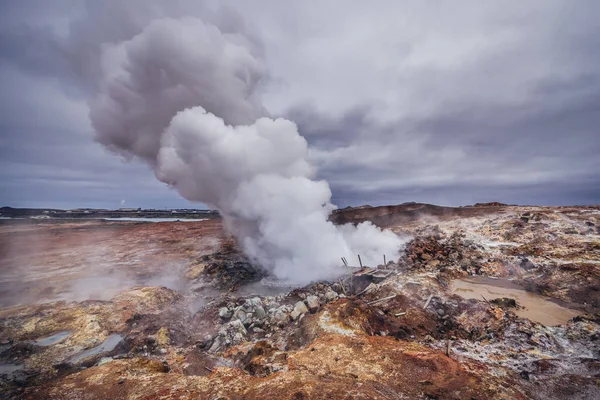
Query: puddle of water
point(53, 339)
point(10, 369)
point(534, 307)
point(109, 344)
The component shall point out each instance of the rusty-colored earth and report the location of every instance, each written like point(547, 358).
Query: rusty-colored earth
point(191, 319)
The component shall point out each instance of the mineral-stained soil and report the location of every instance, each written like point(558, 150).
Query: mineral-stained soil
point(187, 315)
point(76, 260)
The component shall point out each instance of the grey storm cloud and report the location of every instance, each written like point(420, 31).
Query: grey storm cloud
point(443, 102)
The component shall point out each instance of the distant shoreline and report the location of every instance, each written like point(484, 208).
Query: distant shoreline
point(140, 215)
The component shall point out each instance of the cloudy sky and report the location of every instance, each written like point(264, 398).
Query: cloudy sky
point(433, 101)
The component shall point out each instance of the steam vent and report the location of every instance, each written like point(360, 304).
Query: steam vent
point(287, 200)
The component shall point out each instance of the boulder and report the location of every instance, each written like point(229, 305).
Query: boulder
point(252, 304)
point(232, 332)
point(259, 313)
point(331, 295)
point(240, 315)
point(299, 309)
point(312, 303)
point(225, 313)
point(281, 317)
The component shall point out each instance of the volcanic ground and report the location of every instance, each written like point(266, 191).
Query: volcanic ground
point(485, 302)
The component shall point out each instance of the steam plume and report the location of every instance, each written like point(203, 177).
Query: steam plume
point(181, 95)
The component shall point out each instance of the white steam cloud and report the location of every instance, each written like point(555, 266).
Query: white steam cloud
point(181, 94)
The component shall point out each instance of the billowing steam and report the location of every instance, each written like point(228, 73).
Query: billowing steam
point(181, 95)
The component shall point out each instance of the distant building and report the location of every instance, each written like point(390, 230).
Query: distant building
point(130, 209)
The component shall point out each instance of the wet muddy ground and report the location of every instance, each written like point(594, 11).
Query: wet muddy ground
point(538, 308)
point(492, 302)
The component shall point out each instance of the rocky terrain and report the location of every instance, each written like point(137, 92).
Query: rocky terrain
point(485, 302)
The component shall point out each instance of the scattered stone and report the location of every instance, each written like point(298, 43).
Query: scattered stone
point(331, 295)
point(240, 315)
point(252, 304)
point(313, 303)
point(233, 332)
point(238, 338)
point(225, 313)
point(259, 313)
point(281, 317)
point(299, 309)
point(204, 343)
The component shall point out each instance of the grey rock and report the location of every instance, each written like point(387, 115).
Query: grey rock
point(238, 338)
point(236, 327)
point(313, 303)
point(259, 313)
point(225, 313)
point(240, 315)
point(299, 309)
point(331, 295)
point(252, 304)
point(281, 317)
point(216, 345)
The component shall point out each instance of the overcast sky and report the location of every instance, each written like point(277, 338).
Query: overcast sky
point(445, 102)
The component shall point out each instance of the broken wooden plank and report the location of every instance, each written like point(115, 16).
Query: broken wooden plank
point(380, 300)
point(400, 314)
point(360, 261)
point(427, 302)
point(369, 287)
point(486, 300)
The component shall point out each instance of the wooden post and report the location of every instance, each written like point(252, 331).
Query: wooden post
point(360, 261)
point(344, 261)
point(384, 263)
